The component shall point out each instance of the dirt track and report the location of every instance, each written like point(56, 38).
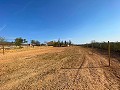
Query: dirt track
point(72, 68)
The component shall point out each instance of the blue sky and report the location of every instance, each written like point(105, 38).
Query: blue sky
point(78, 20)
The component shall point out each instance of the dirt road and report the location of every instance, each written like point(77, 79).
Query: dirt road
point(71, 68)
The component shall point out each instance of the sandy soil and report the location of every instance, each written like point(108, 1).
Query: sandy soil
point(48, 68)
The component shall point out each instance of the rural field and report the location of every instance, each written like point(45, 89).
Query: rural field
point(58, 68)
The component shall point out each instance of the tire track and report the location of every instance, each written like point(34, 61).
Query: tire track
point(79, 68)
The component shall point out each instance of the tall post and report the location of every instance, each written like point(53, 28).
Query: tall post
point(109, 52)
point(92, 48)
point(3, 50)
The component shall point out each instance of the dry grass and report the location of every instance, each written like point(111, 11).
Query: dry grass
point(48, 68)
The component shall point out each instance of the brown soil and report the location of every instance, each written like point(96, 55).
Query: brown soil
point(48, 68)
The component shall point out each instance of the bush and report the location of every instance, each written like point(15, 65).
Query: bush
point(115, 46)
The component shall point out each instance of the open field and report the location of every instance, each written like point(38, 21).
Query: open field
point(54, 68)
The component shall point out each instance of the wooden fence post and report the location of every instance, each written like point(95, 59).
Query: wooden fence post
point(109, 52)
point(87, 45)
point(92, 48)
point(3, 50)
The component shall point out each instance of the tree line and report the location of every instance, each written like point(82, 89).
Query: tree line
point(114, 46)
point(59, 43)
point(20, 41)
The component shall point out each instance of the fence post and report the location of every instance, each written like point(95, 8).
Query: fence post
point(109, 52)
point(92, 48)
point(3, 50)
point(87, 45)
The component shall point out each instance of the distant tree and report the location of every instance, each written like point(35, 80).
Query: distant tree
point(2, 39)
point(19, 41)
point(32, 42)
point(35, 43)
point(62, 42)
point(43, 44)
point(65, 43)
point(25, 41)
point(70, 42)
point(58, 43)
point(51, 43)
point(114, 46)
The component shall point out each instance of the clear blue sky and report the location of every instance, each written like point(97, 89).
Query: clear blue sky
point(44, 20)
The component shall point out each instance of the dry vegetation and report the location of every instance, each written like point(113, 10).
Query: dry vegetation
point(65, 68)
